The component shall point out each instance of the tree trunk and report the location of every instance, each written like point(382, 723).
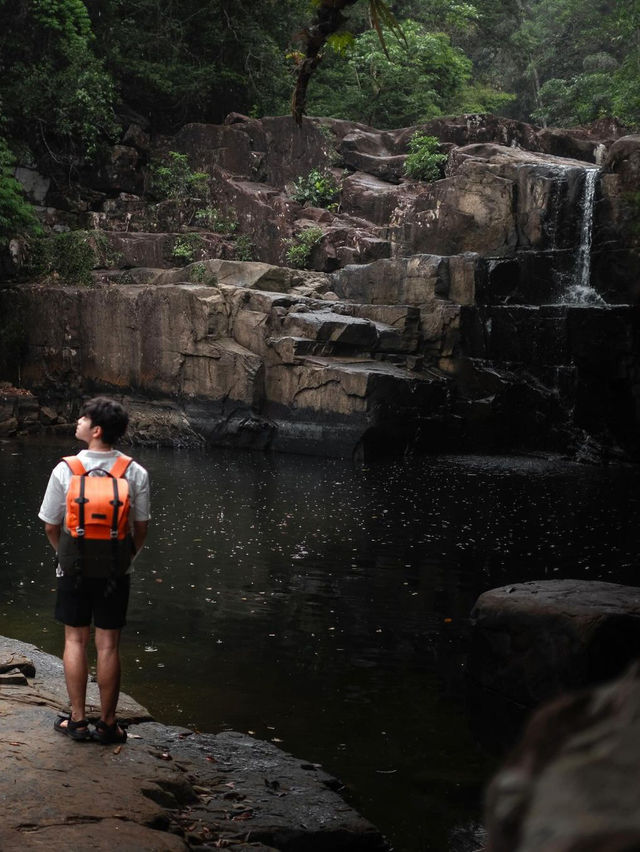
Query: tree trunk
point(329, 19)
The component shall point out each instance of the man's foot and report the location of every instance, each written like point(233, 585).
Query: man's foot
point(76, 730)
point(107, 734)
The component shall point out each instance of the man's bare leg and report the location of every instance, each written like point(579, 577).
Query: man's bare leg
point(76, 669)
point(108, 650)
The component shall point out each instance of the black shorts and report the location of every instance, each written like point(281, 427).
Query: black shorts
point(80, 599)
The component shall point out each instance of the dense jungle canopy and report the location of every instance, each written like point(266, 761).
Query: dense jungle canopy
point(73, 74)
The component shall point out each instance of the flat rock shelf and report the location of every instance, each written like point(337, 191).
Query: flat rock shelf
point(166, 788)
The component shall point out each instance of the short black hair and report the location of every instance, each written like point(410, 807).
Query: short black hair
point(108, 414)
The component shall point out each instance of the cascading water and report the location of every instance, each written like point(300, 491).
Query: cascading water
point(580, 291)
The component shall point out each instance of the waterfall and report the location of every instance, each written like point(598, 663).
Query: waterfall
point(580, 291)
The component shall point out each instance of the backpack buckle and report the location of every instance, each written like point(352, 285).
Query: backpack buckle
point(114, 533)
point(79, 531)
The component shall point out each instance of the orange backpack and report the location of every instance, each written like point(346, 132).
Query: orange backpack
point(97, 540)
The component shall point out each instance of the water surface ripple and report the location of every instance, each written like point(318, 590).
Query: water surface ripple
point(324, 607)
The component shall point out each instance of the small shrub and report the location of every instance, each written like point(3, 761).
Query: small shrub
point(17, 216)
point(70, 257)
point(423, 161)
point(214, 220)
point(245, 249)
point(318, 189)
point(299, 249)
point(199, 273)
point(173, 178)
point(185, 247)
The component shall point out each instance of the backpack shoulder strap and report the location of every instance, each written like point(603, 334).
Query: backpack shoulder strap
point(120, 465)
point(75, 465)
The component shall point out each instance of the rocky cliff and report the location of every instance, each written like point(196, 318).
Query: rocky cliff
point(494, 308)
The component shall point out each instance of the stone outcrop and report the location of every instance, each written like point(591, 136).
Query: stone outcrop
point(570, 786)
point(166, 789)
point(434, 316)
point(236, 363)
point(616, 252)
point(533, 640)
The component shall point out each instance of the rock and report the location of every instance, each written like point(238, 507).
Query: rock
point(166, 789)
point(623, 159)
point(469, 277)
point(14, 661)
point(533, 640)
point(568, 786)
point(35, 185)
point(616, 241)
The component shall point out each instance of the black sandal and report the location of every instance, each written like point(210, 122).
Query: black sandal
point(73, 729)
point(108, 734)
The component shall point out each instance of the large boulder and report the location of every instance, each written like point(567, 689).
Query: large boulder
point(570, 785)
point(533, 640)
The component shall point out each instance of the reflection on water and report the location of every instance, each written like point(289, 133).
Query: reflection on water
point(323, 607)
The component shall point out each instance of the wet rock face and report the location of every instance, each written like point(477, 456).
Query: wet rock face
point(456, 298)
point(568, 785)
point(534, 640)
point(616, 247)
point(256, 357)
point(166, 789)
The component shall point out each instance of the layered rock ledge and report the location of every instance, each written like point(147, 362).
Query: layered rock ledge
point(458, 314)
point(166, 789)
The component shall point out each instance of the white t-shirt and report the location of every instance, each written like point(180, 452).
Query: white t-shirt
point(53, 506)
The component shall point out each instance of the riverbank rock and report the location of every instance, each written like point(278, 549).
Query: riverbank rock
point(533, 640)
point(166, 789)
point(570, 785)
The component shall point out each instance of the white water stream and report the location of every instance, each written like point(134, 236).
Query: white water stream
point(580, 291)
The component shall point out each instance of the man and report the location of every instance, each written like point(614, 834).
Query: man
point(81, 597)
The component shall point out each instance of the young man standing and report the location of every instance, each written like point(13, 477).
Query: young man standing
point(82, 597)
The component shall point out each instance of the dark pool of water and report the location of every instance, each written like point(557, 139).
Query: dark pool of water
point(325, 607)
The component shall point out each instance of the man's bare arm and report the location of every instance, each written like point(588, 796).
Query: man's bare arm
point(52, 531)
point(140, 529)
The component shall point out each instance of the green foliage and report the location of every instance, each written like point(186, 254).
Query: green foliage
point(199, 273)
point(299, 249)
point(185, 247)
point(57, 95)
point(423, 161)
point(68, 257)
point(198, 60)
point(16, 214)
point(577, 101)
point(173, 178)
point(214, 220)
point(244, 249)
point(569, 61)
point(417, 79)
point(319, 188)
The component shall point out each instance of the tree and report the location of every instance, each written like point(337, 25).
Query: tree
point(418, 78)
point(55, 92)
point(329, 20)
point(197, 60)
